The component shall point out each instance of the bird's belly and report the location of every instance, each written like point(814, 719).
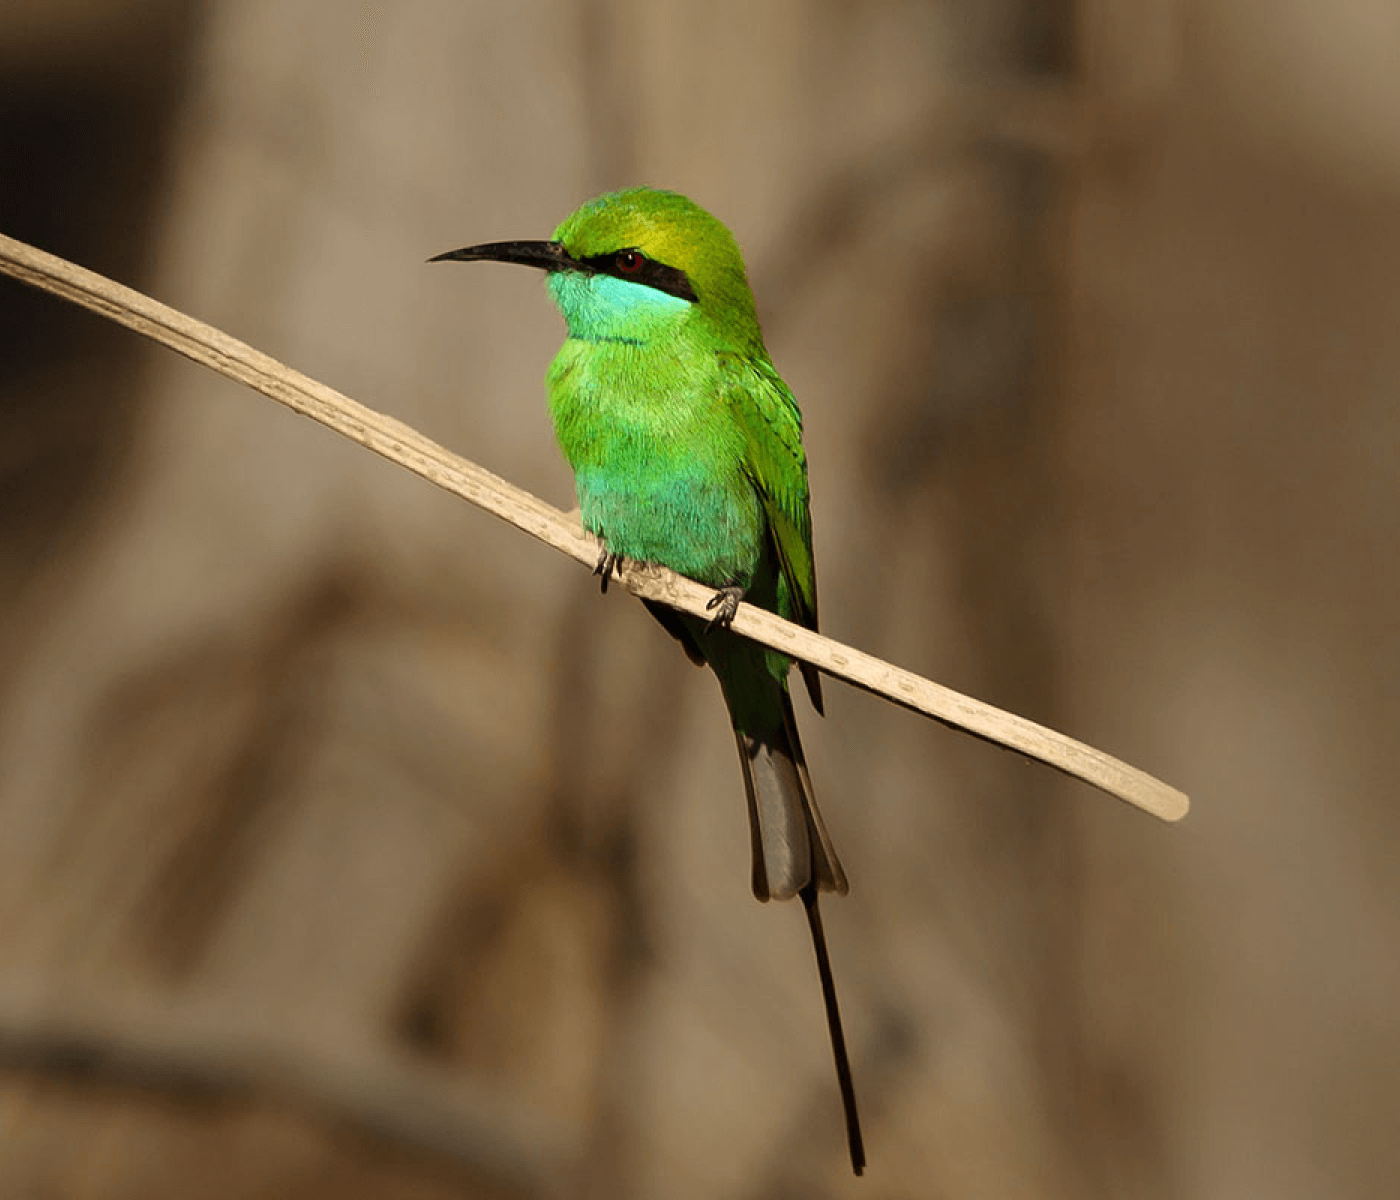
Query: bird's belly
point(705, 527)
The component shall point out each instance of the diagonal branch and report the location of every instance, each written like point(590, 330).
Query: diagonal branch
point(397, 442)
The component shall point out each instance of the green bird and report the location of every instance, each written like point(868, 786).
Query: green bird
point(686, 448)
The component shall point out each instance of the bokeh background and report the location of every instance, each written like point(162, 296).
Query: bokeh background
point(351, 846)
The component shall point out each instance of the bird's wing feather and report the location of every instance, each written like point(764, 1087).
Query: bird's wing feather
point(777, 465)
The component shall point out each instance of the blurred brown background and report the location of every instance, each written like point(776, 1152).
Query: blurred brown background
point(352, 846)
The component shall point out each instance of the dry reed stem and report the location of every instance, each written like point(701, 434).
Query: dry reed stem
point(397, 442)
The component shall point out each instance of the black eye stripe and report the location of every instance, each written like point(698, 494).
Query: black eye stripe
point(671, 280)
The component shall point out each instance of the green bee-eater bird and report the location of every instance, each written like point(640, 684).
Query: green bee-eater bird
point(686, 448)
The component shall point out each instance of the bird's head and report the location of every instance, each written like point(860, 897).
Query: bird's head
point(633, 266)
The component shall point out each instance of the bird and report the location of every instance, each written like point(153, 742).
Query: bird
point(686, 448)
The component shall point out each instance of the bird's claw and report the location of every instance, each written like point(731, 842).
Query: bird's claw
point(726, 599)
point(608, 565)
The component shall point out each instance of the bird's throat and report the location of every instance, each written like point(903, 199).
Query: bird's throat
point(603, 308)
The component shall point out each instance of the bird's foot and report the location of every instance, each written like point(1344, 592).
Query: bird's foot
point(608, 565)
point(727, 601)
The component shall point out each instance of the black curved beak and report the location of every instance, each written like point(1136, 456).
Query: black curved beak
point(547, 256)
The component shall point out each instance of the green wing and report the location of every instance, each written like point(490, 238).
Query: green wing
point(777, 465)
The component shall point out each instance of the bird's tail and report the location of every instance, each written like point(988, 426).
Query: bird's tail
point(793, 856)
point(791, 847)
point(855, 1142)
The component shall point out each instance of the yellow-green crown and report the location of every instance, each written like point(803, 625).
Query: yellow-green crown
point(671, 229)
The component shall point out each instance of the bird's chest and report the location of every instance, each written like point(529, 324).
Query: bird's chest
point(658, 460)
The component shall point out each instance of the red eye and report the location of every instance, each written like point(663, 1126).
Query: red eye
point(628, 262)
